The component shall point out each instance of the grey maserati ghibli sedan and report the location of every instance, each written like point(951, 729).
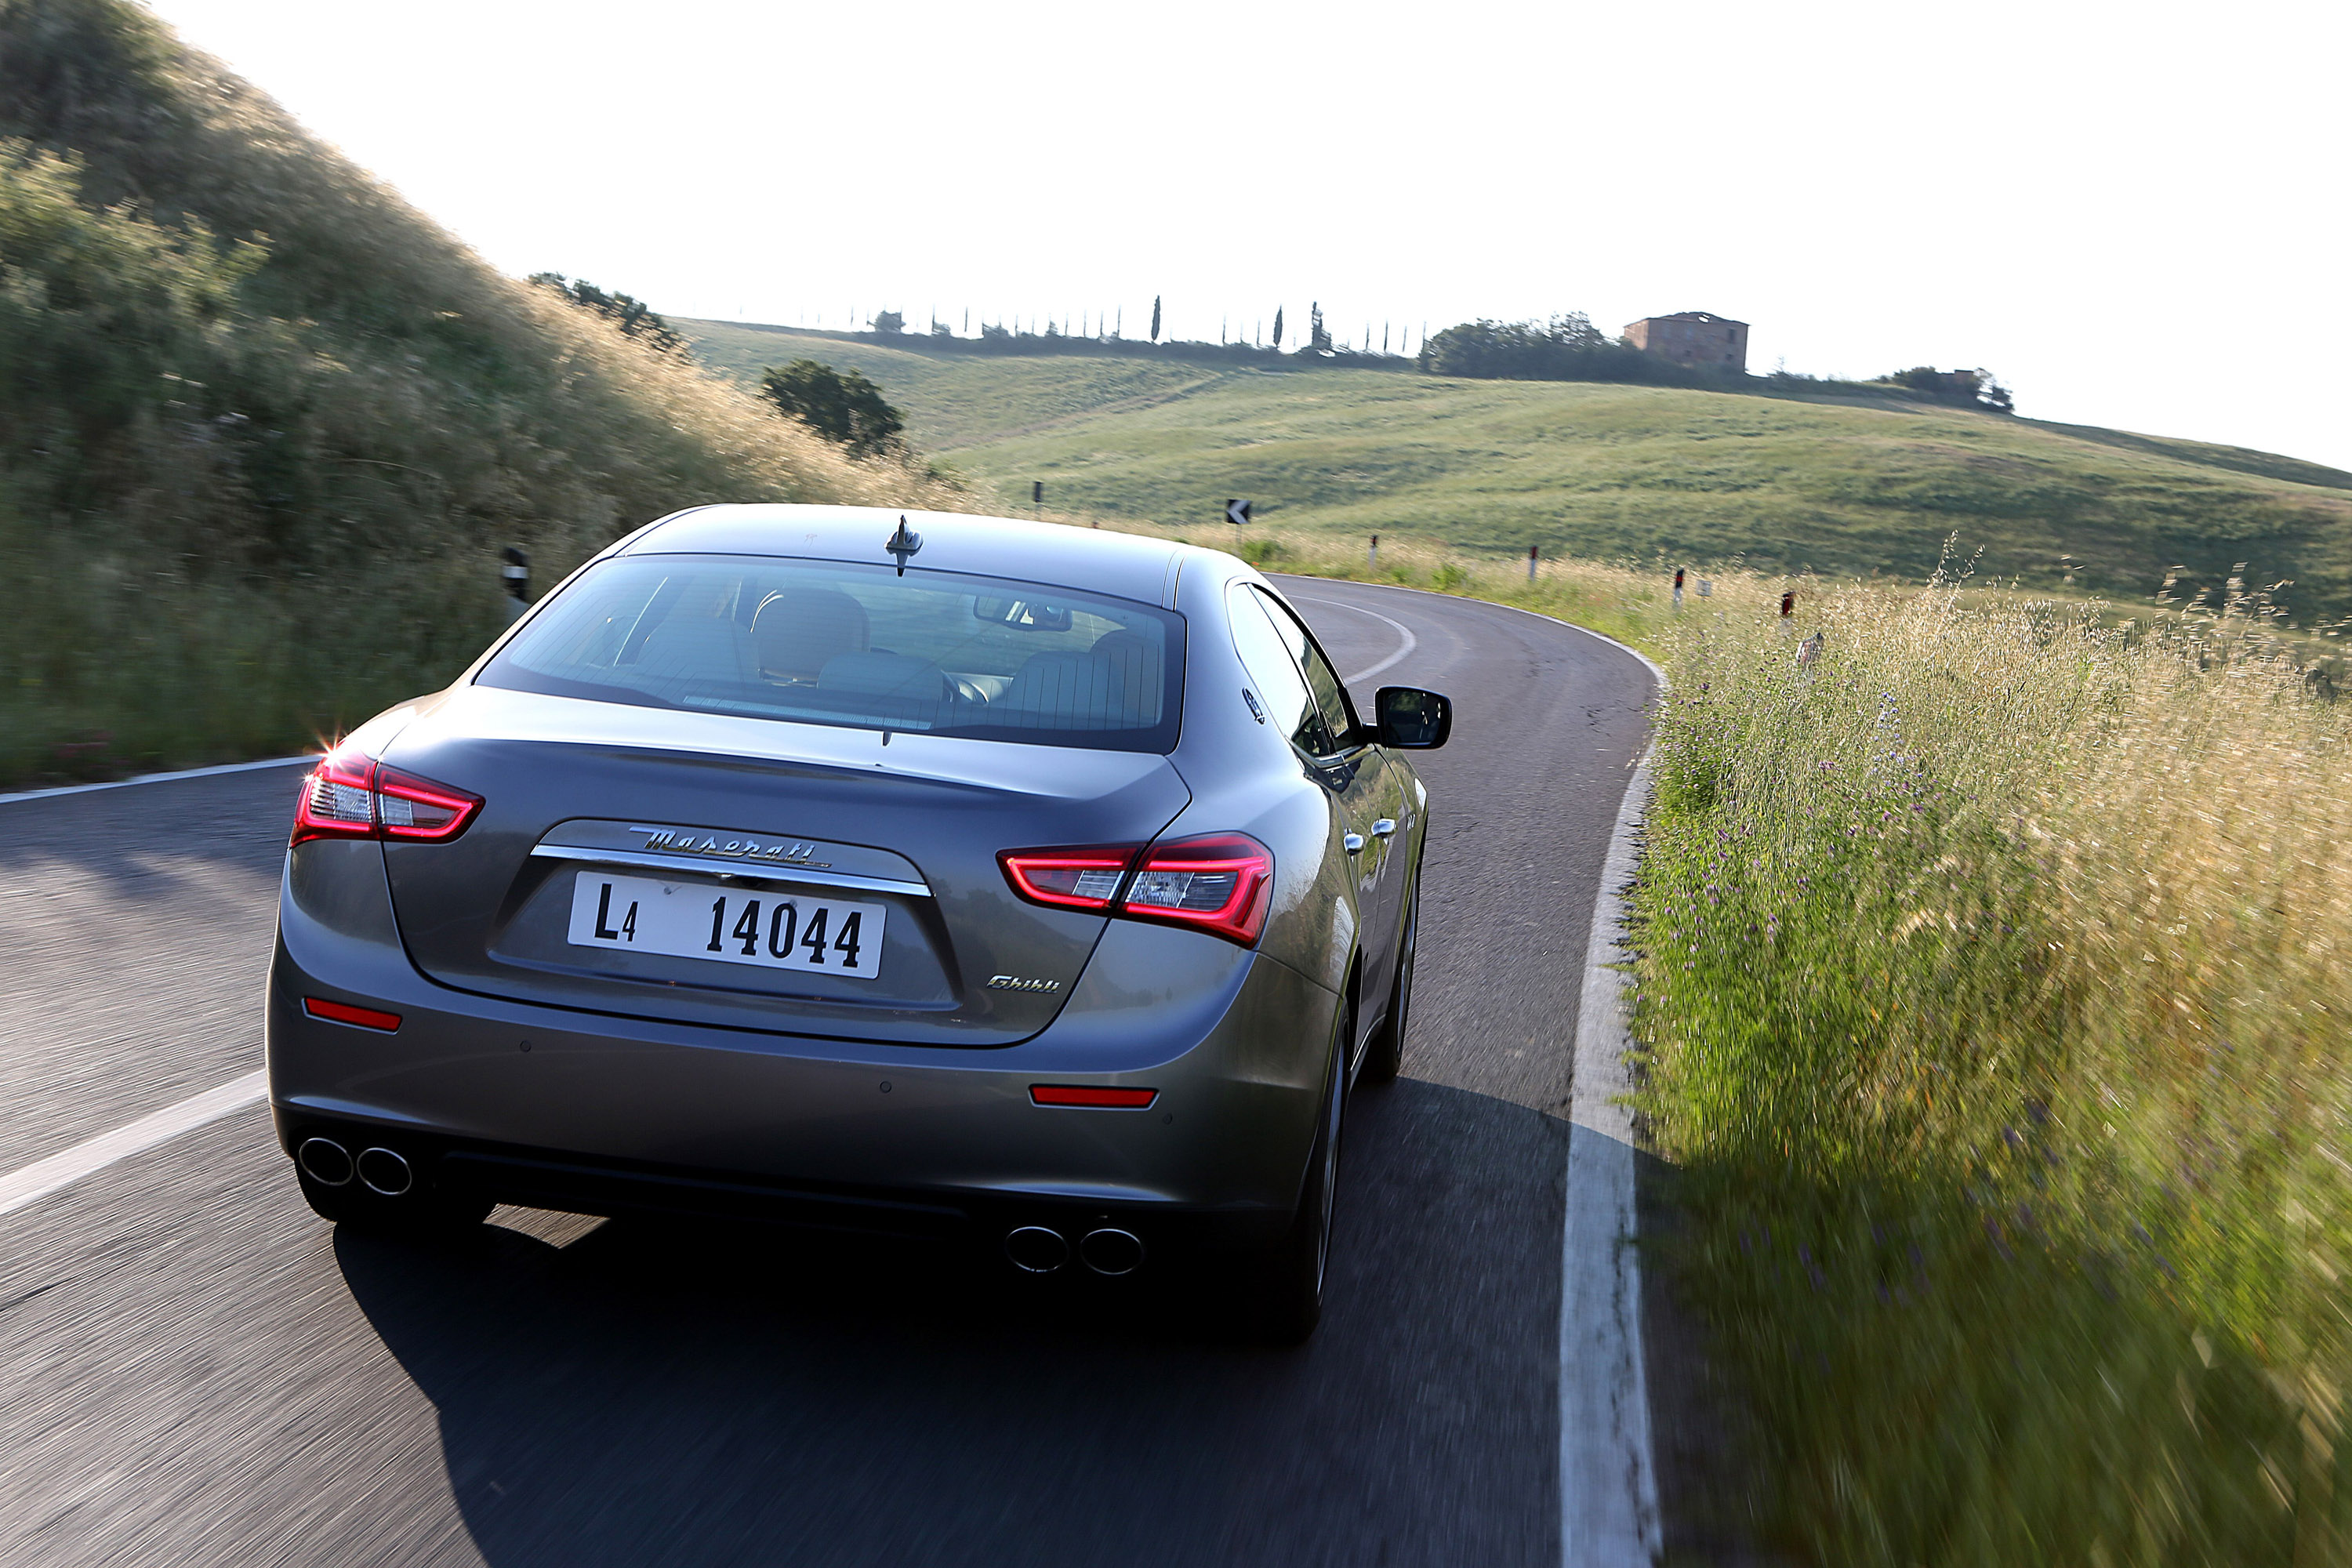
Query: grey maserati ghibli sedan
point(918, 874)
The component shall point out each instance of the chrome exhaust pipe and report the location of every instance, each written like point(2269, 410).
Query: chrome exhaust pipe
point(382, 1171)
point(1034, 1249)
point(1111, 1251)
point(324, 1161)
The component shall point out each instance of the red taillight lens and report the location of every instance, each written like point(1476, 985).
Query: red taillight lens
point(344, 1013)
point(1092, 1095)
point(411, 808)
point(1084, 877)
point(349, 796)
point(1220, 883)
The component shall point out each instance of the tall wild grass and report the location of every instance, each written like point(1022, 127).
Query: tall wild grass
point(1993, 990)
point(264, 427)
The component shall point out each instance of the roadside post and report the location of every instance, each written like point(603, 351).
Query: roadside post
point(1788, 614)
point(1531, 562)
point(1037, 494)
point(515, 575)
point(1678, 587)
point(1372, 557)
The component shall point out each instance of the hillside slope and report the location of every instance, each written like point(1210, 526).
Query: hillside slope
point(264, 427)
point(1617, 472)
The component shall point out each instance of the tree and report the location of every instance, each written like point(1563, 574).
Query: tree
point(1155, 318)
point(633, 317)
point(1278, 326)
point(889, 322)
point(1968, 388)
point(1317, 335)
point(842, 406)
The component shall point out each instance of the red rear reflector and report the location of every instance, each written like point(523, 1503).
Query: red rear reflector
point(349, 796)
point(344, 1013)
point(1083, 1094)
point(1083, 878)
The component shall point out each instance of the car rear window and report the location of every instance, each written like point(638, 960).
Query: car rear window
point(822, 642)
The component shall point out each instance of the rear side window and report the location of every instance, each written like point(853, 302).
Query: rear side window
point(1330, 696)
point(861, 646)
point(1265, 652)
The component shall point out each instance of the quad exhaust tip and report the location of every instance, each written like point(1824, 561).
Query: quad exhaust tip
point(384, 1172)
point(1107, 1250)
point(1111, 1251)
point(1034, 1249)
point(325, 1162)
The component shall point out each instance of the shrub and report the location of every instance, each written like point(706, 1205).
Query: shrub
point(843, 406)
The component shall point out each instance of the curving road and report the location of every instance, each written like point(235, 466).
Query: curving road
point(192, 1369)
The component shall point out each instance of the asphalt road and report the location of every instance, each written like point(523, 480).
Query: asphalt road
point(192, 1369)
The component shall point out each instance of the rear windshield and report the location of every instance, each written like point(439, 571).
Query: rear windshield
point(823, 642)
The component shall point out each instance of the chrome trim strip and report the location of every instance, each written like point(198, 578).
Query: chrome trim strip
point(736, 870)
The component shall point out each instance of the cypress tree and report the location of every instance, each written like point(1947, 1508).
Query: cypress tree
point(1278, 326)
point(1155, 318)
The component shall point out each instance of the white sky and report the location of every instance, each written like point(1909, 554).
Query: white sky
point(2137, 214)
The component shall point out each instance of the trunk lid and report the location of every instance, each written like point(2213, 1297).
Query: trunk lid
point(760, 830)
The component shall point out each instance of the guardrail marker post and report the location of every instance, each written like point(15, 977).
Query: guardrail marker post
point(1531, 562)
point(1372, 559)
point(1678, 588)
point(516, 575)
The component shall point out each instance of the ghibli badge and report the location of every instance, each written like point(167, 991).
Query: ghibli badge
point(1014, 983)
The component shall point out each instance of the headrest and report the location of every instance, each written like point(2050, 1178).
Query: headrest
point(797, 629)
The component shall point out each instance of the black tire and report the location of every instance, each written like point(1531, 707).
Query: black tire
point(353, 1205)
point(1289, 1287)
point(1384, 1052)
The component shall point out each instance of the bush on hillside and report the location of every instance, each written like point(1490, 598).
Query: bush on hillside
point(1966, 388)
point(633, 317)
point(843, 406)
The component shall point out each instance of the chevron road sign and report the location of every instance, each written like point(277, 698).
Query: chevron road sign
point(1237, 513)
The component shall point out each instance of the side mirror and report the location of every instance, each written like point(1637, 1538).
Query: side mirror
point(1411, 718)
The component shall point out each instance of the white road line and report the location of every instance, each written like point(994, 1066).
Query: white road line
point(1411, 641)
point(39, 1179)
point(1608, 1481)
point(155, 778)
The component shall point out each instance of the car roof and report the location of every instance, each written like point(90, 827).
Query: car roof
point(1125, 565)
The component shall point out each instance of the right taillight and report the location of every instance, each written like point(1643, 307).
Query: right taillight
point(1081, 878)
point(350, 794)
point(1217, 882)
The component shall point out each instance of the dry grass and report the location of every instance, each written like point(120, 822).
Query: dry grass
point(1992, 977)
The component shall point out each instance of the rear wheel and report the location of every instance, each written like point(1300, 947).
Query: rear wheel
point(1384, 1052)
point(1290, 1295)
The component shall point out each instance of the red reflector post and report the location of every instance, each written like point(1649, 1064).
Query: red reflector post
point(344, 1013)
point(1092, 1095)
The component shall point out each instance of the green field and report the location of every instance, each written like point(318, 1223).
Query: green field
point(1633, 473)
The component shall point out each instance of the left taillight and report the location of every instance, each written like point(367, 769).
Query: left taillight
point(350, 794)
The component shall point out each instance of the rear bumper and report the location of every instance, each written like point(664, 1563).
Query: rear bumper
point(564, 1109)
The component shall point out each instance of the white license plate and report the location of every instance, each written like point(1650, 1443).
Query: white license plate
point(690, 919)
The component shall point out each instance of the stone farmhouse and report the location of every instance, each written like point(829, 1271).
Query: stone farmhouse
point(1692, 337)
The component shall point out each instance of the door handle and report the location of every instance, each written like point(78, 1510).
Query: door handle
point(1383, 827)
point(1355, 843)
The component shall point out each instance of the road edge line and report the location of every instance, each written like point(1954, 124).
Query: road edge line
point(54, 792)
point(37, 1181)
point(1608, 1473)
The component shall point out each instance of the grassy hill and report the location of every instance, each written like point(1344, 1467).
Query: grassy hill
point(1840, 486)
point(264, 427)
